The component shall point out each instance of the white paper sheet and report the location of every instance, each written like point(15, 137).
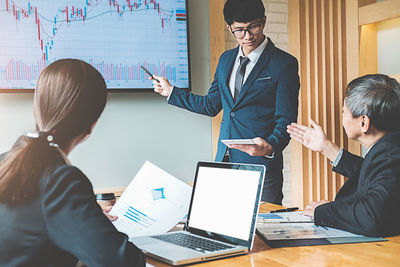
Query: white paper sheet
point(152, 204)
point(282, 231)
point(283, 217)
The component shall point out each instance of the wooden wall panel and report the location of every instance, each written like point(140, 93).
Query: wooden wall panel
point(332, 50)
point(352, 46)
point(328, 58)
point(379, 11)
point(396, 76)
point(368, 49)
point(297, 181)
point(217, 47)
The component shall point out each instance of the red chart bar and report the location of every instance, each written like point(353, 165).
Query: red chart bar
point(38, 26)
point(18, 70)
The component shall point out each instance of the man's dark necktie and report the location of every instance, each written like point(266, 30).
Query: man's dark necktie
point(239, 76)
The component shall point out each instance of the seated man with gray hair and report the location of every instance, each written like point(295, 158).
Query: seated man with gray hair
point(369, 202)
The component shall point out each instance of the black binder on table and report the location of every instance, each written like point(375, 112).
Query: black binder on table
point(307, 234)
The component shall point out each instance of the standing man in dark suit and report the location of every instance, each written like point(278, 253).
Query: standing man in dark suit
point(368, 203)
point(257, 85)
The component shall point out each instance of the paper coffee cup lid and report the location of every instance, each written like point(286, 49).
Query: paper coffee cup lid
point(105, 196)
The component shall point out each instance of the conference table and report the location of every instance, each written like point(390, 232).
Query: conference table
point(360, 254)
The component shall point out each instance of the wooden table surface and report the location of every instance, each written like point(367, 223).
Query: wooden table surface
point(361, 254)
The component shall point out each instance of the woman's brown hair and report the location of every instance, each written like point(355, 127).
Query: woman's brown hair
point(70, 96)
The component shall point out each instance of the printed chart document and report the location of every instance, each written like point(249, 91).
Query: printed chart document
point(152, 204)
point(284, 217)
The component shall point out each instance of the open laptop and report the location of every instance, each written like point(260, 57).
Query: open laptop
point(222, 216)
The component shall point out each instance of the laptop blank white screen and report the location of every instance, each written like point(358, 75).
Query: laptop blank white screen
point(223, 201)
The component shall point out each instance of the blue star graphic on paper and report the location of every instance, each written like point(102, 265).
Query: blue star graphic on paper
point(158, 193)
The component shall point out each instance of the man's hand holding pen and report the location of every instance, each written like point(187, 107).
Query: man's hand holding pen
point(163, 87)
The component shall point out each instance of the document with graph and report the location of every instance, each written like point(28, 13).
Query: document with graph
point(152, 204)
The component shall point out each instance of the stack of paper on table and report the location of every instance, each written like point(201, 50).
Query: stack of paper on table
point(152, 204)
point(281, 217)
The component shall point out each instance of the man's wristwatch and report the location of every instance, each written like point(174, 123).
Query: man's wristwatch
point(271, 156)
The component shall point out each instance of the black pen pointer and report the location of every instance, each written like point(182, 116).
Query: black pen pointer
point(285, 210)
point(149, 73)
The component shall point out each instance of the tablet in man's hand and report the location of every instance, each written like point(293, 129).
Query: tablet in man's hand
point(238, 142)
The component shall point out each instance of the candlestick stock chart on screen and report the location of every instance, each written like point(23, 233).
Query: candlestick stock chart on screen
point(114, 36)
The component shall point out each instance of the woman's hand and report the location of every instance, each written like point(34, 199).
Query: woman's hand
point(106, 211)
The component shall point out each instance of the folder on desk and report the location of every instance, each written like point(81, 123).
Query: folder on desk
point(307, 234)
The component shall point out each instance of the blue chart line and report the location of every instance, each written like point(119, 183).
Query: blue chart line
point(139, 217)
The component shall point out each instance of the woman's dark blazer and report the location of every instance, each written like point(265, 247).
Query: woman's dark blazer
point(62, 224)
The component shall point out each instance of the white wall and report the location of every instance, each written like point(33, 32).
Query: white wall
point(135, 126)
point(388, 49)
point(389, 46)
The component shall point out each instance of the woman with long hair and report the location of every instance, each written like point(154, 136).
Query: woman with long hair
point(48, 212)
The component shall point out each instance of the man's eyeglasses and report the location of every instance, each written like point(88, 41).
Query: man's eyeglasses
point(253, 30)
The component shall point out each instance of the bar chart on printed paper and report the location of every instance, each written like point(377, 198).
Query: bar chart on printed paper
point(114, 36)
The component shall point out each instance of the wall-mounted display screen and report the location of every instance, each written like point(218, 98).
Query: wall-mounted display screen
point(115, 36)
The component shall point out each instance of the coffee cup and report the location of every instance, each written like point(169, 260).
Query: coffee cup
point(105, 199)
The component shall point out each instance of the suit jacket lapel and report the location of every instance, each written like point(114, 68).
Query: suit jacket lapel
point(260, 65)
point(227, 73)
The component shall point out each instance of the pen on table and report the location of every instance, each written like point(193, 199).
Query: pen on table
point(284, 210)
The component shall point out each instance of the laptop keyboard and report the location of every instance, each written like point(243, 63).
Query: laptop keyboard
point(193, 242)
